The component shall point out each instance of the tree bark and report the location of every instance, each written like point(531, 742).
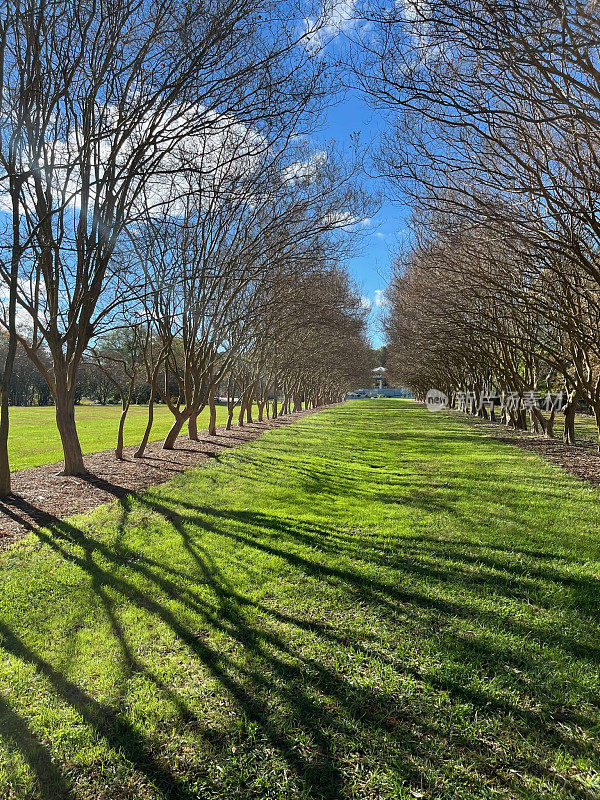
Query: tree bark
point(119, 447)
point(534, 421)
point(5, 481)
point(176, 427)
point(549, 429)
point(140, 451)
point(212, 421)
point(569, 411)
point(65, 421)
point(125, 403)
point(597, 418)
point(193, 426)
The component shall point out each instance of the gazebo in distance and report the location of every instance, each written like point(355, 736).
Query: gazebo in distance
point(379, 388)
point(379, 377)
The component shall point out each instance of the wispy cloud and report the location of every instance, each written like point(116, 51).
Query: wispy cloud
point(380, 298)
point(306, 172)
point(346, 221)
point(337, 16)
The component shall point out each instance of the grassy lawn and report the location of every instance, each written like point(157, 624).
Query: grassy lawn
point(585, 429)
point(34, 438)
point(376, 602)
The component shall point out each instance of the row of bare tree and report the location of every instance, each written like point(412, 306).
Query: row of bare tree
point(495, 139)
point(156, 179)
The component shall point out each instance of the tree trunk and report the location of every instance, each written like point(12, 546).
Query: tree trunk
point(65, 421)
point(125, 403)
point(193, 426)
point(534, 422)
point(140, 451)
point(212, 422)
point(597, 418)
point(119, 447)
point(5, 483)
point(569, 412)
point(229, 419)
point(549, 429)
point(176, 427)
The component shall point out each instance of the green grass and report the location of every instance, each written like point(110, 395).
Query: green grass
point(375, 602)
point(585, 429)
point(34, 438)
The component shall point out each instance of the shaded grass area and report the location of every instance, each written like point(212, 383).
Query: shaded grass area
point(585, 429)
point(34, 438)
point(375, 602)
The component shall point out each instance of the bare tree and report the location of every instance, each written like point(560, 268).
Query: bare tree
point(115, 94)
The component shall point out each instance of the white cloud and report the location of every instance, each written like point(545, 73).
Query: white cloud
point(365, 302)
point(337, 16)
point(27, 289)
point(346, 221)
point(417, 16)
point(305, 172)
point(414, 10)
point(380, 298)
point(379, 235)
point(217, 146)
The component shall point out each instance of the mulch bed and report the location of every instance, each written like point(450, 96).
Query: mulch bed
point(581, 459)
point(42, 495)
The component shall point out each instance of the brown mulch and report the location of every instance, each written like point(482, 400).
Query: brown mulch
point(581, 459)
point(42, 494)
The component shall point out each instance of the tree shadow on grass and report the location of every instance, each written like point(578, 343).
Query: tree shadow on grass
point(319, 774)
point(17, 736)
point(314, 716)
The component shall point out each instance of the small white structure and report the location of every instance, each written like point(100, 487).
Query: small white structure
point(379, 377)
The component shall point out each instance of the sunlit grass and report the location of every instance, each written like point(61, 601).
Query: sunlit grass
point(34, 437)
point(375, 602)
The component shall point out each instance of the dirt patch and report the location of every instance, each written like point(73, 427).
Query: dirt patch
point(580, 459)
point(41, 495)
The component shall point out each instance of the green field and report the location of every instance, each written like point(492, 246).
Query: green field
point(375, 602)
point(34, 438)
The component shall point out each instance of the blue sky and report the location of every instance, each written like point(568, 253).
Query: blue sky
point(371, 266)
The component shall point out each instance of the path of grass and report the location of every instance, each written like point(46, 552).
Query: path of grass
point(375, 602)
point(34, 438)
